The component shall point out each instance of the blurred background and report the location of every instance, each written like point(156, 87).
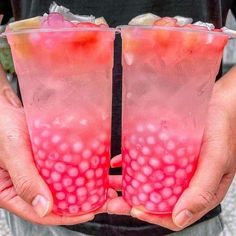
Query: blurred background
point(228, 205)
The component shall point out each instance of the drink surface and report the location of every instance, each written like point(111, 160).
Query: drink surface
point(65, 80)
point(168, 78)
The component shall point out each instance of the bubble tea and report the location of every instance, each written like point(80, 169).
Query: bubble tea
point(169, 72)
point(65, 70)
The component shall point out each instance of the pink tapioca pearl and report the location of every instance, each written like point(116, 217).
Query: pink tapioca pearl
point(151, 140)
point(77, 147)
point(80, 181)
point(67, 182)
point(95, 161)
point(169, 159)
point(49, 164)
point(36, 141)
point(93, 199)
point(192, 158)
point(60, 196)
point(101, 191)
point(41, 154)
point(133, 153)
point(142, 197)
point(135, 201)
point(163, 136)
point(134, 165)
point(147, 188)
point(141, 178)
point(168, 182)
point(130, 189)
point(180, 174)
point(154, 162)
point(45, 173)
point(141, 160)
point(60, 167)
point(86, 153)
point(56, 139)
point(177, 190)
point(55, 176)
point(103, 137)
point(183, 162)
point(64, 147)
point(140, 128)
point(126, 158)
point(135, 183)
point(162, 207)
point(70, 189)
point(147, 170)
point(53, 156)
point(71, 199)
point(189, 169)
point(172, 200)
point(86, 206)
point(104, 160)
point(170, 145)
point(67, 158)
point(95, 144)
point(37, 123)
point(90, 185)
point(159, 150)
point(73, 172)
point(129, 171)
point(62, 205)
point(146, 151)
point(99, 172)
point(99, 182)
point(159, 175)
point(45, 134)
point(190, 149)
point(81, 191)
point(101, 149)
point(83, 166)
point(152, 128)
point(166, 192)
point(169, 170)
point(158, 186)
point(180, 152)
point(46, 145)
point(155, 197)
point(89, 174)
point(127, 178)
point(133, 139)
point(150, 206)
point(57, 186)
point(73, 209)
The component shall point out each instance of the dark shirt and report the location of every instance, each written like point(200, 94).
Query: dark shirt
point(119, 12)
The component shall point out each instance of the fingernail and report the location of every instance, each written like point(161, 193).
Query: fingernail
point(183, 218)
point(135, 212)
point(40, 205)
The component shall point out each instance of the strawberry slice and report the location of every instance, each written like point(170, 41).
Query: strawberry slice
point(166, 21)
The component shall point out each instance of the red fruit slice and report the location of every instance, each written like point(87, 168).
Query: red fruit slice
point(166, 21)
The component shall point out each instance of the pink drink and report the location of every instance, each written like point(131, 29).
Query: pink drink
point(65, 79)
point(169, 74)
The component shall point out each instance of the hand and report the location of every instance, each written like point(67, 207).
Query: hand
point(22, 190)
point(216, 166)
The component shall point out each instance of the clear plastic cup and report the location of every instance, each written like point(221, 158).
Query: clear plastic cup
point(65, 78)
point(168, 76)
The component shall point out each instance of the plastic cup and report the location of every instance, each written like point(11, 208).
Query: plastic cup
point(168, 76)
point(65, 78)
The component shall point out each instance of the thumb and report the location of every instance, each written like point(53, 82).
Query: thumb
point(25, 177)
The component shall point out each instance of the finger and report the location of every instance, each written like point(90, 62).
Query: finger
point(162, 220)
point(24, 210)
point(118, 206)
point(26, 180)
point(115, 182)
point(116, 161)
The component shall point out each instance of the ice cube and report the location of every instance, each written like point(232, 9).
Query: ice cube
point(100, 21)
point(209, 26)
point(144, 19)
point(181, 21)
